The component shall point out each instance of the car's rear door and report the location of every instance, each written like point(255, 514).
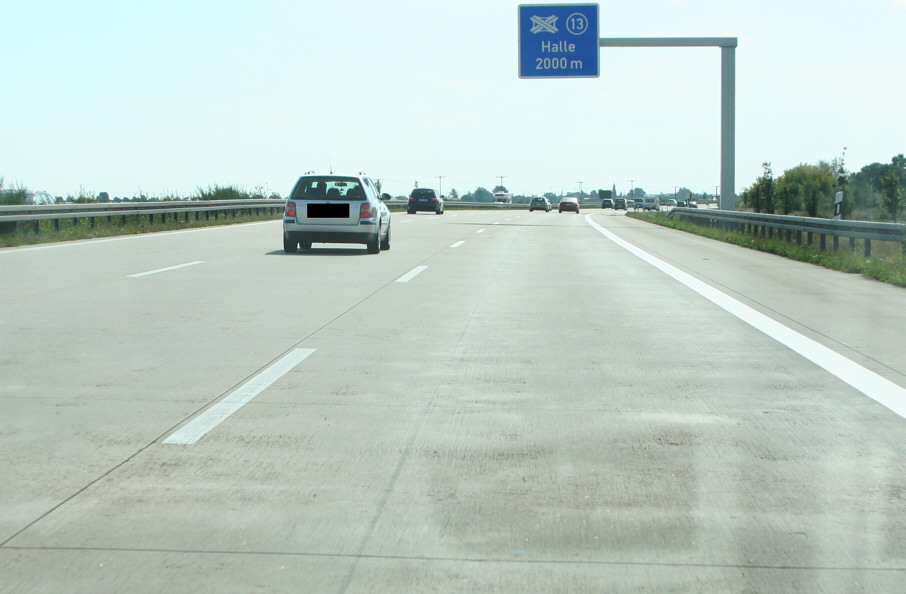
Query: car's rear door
point(338, 205)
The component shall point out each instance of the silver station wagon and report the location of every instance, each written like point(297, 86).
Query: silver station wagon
point(336, 209)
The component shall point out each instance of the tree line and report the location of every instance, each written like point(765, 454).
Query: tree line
point(874, 193)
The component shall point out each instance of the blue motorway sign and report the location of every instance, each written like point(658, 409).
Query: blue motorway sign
point(558, 40)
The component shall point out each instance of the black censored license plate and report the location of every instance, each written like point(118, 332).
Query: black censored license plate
point(328, 211)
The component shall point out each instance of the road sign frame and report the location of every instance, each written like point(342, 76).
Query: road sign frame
point(559, 41)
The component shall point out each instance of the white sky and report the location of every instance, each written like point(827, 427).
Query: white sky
point(164, 97)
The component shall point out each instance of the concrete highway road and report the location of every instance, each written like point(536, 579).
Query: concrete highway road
point(503, 402)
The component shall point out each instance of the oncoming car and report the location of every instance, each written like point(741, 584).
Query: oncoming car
point(336, 209)
point(568, 203)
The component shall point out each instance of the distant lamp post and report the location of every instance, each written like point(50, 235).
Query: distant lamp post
point(439, 186)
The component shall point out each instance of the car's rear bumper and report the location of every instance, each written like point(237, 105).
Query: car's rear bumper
point(362, 234)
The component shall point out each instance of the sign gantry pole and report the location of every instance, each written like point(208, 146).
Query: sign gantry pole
point(558, 41)
point(727, 47)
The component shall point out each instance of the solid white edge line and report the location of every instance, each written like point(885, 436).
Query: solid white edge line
point(196, 429)
point(876, 387)
point(165, 269)
point(411, 274)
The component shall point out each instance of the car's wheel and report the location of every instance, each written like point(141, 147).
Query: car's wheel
point(530, 210)
point(374, 245)
point(305, 245)
point(385, 243)
point(289, 246)
point(410, 212)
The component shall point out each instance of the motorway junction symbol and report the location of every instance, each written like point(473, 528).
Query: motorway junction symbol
point(558, 41)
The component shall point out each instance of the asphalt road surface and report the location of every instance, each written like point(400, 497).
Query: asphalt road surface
point(503, 402)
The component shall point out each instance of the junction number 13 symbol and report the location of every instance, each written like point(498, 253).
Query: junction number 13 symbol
point(577, 23)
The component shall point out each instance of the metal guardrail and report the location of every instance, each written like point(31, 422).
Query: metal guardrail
point(13, 216)
point(162, 210)
point(765, 225)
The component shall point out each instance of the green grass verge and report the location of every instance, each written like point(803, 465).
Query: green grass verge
point(130, 225)
point(887, 263)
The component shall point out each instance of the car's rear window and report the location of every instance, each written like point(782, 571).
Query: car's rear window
point(422, 192)
point(328, 188)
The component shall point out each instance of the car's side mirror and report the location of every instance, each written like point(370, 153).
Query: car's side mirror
point(385, 197)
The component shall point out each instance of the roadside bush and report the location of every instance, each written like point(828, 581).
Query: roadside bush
point(222, 193)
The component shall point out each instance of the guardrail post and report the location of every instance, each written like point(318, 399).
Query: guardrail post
point(867, 248)
point(37, 227)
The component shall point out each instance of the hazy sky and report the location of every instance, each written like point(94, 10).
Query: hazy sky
point(164, 97)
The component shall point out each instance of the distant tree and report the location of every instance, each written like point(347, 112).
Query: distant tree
point(899, 165)
point(813, 184)
point(893, 196)
point(500, 189)
point(872, 174)
point(454, 195)
point(760, 196)
point(636, 193)
point(551, 196)
point(482, 195)
point(784, 196)
point(767, 188)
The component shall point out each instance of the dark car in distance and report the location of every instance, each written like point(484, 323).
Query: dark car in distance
point(425, 199)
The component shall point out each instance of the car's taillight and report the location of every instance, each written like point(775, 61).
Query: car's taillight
point(367, 211)
point(434, 200)
point(290, 209)
point(411, 198)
